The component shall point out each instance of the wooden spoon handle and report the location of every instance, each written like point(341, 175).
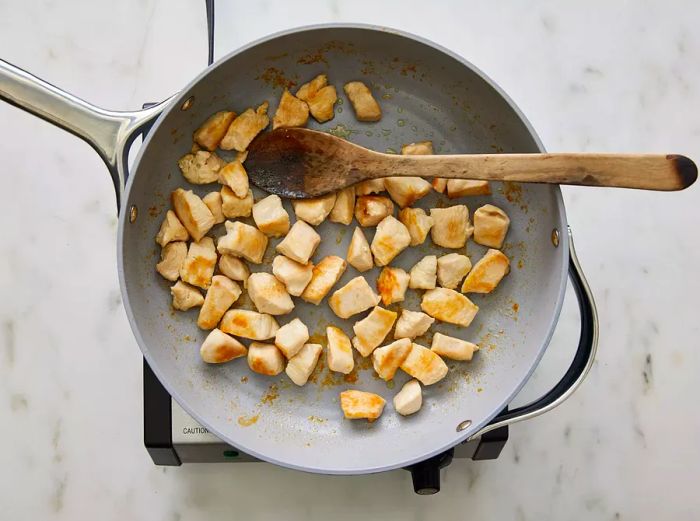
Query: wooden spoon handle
point(645, 171)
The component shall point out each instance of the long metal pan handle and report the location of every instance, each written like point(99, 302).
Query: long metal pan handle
point(580, 365)
point(109, 132)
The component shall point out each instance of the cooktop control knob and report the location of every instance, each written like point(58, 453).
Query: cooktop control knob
point(426, 474)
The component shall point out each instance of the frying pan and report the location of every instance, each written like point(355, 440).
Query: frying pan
point(426, 92)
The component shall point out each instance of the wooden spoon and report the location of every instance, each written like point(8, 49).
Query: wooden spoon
point(299, 163)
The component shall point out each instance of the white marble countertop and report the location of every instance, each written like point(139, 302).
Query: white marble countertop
point(590, 76)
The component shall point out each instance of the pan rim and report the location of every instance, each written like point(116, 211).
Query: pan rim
point(461, 436)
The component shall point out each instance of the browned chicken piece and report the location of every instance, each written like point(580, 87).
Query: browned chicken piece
point(371, 209)
point(451, 269)
point(314, 211)
point(249, 324)
point(234, 268)
point(243, 240)
point(213, 201)
point(171, 230)
point(392, 284)
point(265, 359)
point(221, 295)
point(339, 356)
point(268, 294)
point(365, 106)
point(412, 324)
point(418, 224)
point(490, 226)
point(270, 216)
point(359, 255)
point(406, 190)
point(201, 167)
point(324, 276)
point(424, 273)
point(244, 128)
point(307, 90)
point(359, 404)
point(424, 365)
point(439, 184)
point(291, 337)
point(421, 148)
point(487, 273)
point(372, 330)
point(291, 112)
point(355, 297)
point(192, 212)
point(235, 177)
point(344, 206)
point(372, 186)
point(233, 206)
point(387, 359)
point(219, 347)
point(199, 265)
point(454, 348)
point(301, 365)
point(390, 239)
point(320, 97)
point(212, 131)
point(172, 257)
point(462, 187)
point(300, 243)
point(449, 306)
point(293, 275)
point(185, 296)
point(451, 226)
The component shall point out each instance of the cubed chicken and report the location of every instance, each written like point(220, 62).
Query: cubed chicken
point(291, 112)
point(355, 297)
point(244, 128)
point(199, 265)
point(358, 405)
point(234, 268)
point(371, 186)
point(424, 365)
point(268, 294)
point(270, 216)
point(387, 359)
point(487, 273)
point(424, 273)
point(185, 296)
point(324, 276)
point(300, 243)
point(344, 206)
point(490, 226)
point(214, 202)
point(222, 293)
point(320, 97)
point(372, 330)
point(409, 399)
point(439, 184)
point(412, 324)
point(301, 365)
point(235, 177)
point(219, 347)
point(212, 131)
point(421, 148)
point(192, 213)
point(233, 206)
point(249, 324)
point(339, 355)
point(454, 348)
point(201, 167)
point(171, 230)
point(314, 211)
point(243, 240)
point(291, 337)
point(172, 257)
point(365, 106)
point(390, 239)
point(293, 275)
point(417, 222)
point(308, 90)
point(371, 209)
point(392, 284)
point(451, 226)
point(359, 255)
point(406, 190)
point(451, 269)
point(265, 359)
point(449, 306)
point(462, 187)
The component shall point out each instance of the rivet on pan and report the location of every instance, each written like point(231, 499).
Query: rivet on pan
point(133, 213)
point(555, 237)
point(463, 425)
point(187, 104)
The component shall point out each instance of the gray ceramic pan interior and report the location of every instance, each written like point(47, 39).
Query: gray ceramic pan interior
point(425, 93)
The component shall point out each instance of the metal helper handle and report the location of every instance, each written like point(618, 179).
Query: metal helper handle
point(110, 133)
point(580, 365)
